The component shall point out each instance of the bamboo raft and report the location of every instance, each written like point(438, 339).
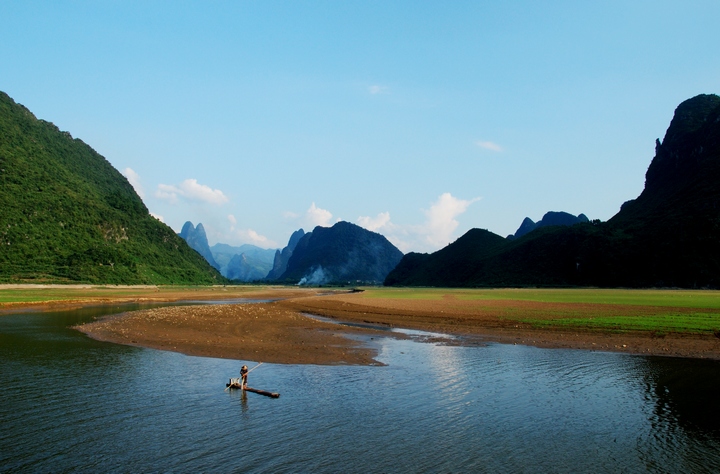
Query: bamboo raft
point(235, 383)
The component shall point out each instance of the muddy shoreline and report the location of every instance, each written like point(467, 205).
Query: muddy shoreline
point(279, 332)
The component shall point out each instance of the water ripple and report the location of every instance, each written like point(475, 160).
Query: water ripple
point(69, 403)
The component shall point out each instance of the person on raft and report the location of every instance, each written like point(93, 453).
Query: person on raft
point(243, 376)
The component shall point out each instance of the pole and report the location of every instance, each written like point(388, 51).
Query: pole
point(240, 380)
point(254, 367)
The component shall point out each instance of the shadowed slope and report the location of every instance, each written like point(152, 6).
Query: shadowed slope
point(668, 236)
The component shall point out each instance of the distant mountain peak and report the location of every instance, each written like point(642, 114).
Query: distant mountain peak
point(550, 218)
point(342, 253)
point(197, 240)
point(246, 262)
point(282, 257)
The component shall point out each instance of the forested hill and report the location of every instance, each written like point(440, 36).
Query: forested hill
point(66, 215)
point(668, 237)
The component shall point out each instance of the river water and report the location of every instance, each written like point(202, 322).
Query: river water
point(69, 403)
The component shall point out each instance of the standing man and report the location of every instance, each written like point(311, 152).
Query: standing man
point(243, 376)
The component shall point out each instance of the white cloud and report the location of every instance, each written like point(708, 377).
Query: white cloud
point(378, 89)
point(158, 217)
point(232, 219)
point(489, 146)
point(316, 216)
point(441, 222)
point(134, 180)
point(374, 224)
point(434, 233)
point(290, 215)
point(191, 190)
point(398, 235)
point(167, 193)
point(249, 236)
point(437, 230)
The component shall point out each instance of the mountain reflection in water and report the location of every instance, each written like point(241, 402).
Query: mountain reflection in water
point(71, 403)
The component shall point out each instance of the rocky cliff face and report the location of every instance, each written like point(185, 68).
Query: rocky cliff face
point(690, 147)
point(197, 240)
point(342, 254)
point(283, 256)
point(673, 227)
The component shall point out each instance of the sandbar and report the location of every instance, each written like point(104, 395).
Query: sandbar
point(281, 331)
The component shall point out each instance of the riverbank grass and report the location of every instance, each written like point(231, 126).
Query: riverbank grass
point(28, 294)
point(651, 297)
point(694, 323)
point(613, 310)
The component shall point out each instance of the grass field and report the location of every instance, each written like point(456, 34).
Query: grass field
point(697, 323)
point(708, 299)
point(57, 293)
point(613, 310)
point(617, 310)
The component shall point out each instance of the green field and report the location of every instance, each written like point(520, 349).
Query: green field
point(34, 295)
point(657, 311)
point(58, 293)
point(708, 299)
point(697, 323)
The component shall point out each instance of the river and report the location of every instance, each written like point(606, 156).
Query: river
point(70, 403)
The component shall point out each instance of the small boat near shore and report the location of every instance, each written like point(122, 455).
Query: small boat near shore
point(235, 384)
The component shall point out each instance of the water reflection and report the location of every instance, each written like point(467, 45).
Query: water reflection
point(684, 414)
point(71, 403)
point(242, 398)
point(687, 393)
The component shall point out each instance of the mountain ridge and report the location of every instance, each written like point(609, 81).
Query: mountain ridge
point(560, 218)
point(666, 237)
point(197, 240)
point(343, 253)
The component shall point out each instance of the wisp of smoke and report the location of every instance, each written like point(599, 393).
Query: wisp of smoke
point(315, 278)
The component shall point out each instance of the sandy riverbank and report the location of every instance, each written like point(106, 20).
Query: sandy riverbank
point(263, 332)
point(278, 332)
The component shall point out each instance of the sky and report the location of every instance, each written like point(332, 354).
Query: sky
point(418, 120)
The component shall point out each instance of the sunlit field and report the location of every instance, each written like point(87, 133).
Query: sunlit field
point(85, 293)
point(614, 310)
point(693, 311)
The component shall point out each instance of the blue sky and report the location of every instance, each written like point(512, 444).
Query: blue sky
point(418, 120)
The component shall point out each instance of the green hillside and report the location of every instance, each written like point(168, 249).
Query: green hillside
point(66, 215)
